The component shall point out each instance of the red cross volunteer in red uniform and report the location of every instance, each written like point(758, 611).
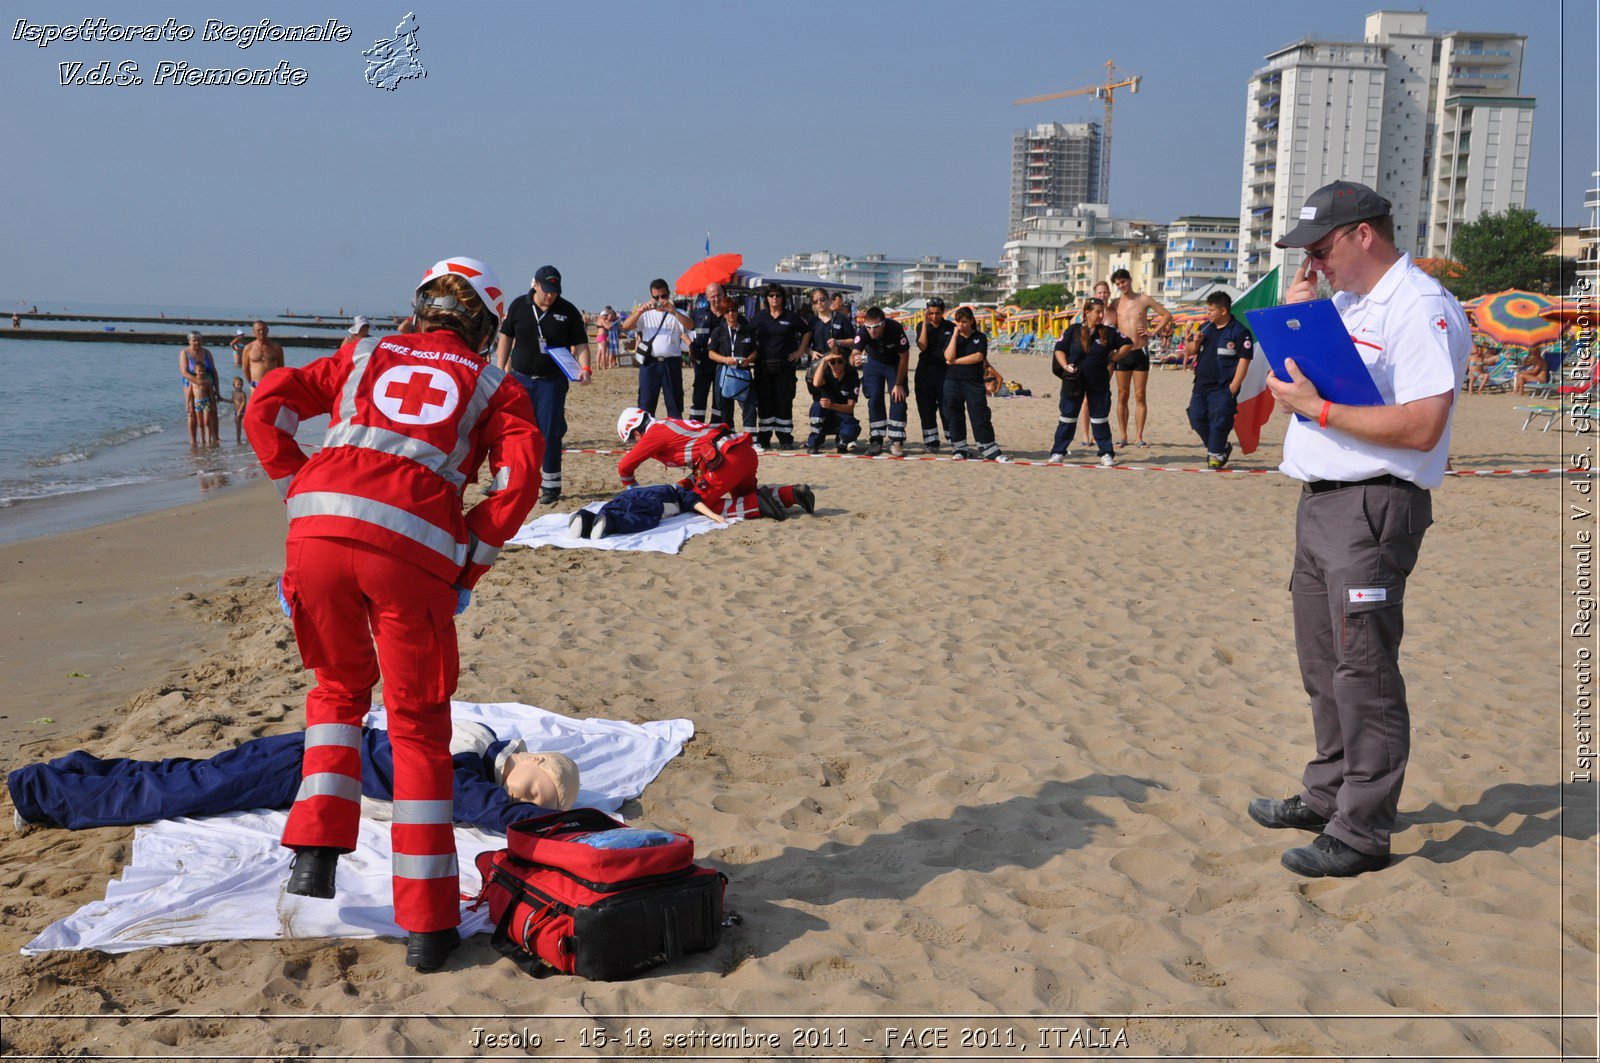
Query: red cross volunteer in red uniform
point(380, 559)
point(722, 465)
point(1368, 473)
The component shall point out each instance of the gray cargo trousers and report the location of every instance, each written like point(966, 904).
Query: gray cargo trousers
point(1354, 547)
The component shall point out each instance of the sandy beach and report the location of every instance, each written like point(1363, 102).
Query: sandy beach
point(975, 741)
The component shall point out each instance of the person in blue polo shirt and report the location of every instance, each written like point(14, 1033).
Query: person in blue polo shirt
point(834, 385)
point(883, 376)
point(1221, 354)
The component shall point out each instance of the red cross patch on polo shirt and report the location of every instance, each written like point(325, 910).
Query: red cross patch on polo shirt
point(1440, 325)
point(416, 394)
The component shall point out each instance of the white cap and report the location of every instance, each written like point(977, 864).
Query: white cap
point(238, 332)
point(357, 323)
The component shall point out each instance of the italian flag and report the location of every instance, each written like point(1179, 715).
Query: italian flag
point(1255, 401)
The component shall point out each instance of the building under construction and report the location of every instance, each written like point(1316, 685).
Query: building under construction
point(1054, 167)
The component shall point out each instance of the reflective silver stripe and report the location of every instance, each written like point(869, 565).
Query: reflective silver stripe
point(286, 421)
point(352, 383)
point(386, 441)
point(334, 504)
point(1099, 420)
point(423, 811)
point(1067, 420)
point(501, 481)
point(282, 484)
point(484, 554)
point(489, 378)
point(333, 734)
point(442, 866)
point(328, 784)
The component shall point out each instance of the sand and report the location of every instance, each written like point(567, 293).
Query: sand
point(974, 741)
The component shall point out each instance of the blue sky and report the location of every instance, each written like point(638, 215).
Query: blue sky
point(608, 137)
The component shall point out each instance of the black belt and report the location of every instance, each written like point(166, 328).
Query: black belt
point(1316, 487)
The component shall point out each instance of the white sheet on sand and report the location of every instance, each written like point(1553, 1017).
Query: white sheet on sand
point(221, 878)
point(666, 538)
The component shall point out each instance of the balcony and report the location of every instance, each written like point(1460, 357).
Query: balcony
point(1487, 55)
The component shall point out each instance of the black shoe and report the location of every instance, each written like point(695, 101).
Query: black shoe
point(427, 950)
point(931, 448)
point(786, 442)
point(580, 525)
point(813, 448)
point(1292, 812)
point(806, 498)
point(764, 440)
point(768, 503)
point(874, 448)
point(1227, 452)
point(1328, 857)
point(311, 874)
point(549, 498)
point(842, 448)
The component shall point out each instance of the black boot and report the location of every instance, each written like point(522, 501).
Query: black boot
point(311, 874)
point(426, 950)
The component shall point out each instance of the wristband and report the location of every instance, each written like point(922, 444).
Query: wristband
point(1322, 418)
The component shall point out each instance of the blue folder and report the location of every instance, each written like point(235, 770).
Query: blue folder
point(1315, 337)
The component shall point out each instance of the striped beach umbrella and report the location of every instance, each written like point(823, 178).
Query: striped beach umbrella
point(1564, 311)
point(1512, 317)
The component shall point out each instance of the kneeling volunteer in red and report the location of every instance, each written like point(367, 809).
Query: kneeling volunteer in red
point(381, 558)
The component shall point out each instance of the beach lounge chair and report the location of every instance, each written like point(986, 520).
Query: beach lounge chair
point(1024, 342)
point(1550, 413)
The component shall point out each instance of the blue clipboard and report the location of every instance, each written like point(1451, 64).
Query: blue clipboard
point(1316, 338)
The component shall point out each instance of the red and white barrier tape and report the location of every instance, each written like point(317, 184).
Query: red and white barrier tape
point(1120, 467)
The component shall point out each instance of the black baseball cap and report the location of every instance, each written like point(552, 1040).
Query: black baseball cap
point(1331, 206)
point(936, 303)
point(548, 278)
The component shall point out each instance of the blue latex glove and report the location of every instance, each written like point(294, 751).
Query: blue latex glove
point(463, 599)
point(283, 603)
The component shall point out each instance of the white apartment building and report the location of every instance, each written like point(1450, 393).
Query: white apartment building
point(1589, 254)
point(876, 274)
point(931, 276)
point(1386, 111)
point(1201, 250)
point(823, 264)
point(1032, 256)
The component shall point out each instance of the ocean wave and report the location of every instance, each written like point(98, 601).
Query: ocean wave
point(53, 488)
point(84, 451)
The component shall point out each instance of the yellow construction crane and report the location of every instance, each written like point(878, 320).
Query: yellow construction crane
point(1104, 92)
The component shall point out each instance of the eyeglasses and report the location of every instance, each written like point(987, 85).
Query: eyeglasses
point(1321, 254)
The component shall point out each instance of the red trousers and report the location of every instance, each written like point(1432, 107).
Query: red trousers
point(734, 479)
point(359, 611)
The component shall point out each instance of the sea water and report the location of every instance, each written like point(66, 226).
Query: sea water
point(95, 431)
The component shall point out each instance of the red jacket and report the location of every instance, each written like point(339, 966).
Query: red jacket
point(677, 444)
point(412, 418)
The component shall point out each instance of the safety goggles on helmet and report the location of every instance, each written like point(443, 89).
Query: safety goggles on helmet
point(632, 420)
point(475, 273)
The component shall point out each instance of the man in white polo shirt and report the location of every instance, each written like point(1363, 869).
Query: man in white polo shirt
point(1368, 471)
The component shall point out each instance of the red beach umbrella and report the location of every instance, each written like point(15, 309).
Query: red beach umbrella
point(718, 269)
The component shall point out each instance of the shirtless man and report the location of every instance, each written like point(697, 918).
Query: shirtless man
point(260, 356)
point(1134, 366)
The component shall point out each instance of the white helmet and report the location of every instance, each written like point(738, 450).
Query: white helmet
point(475, 273)
point(632, 420)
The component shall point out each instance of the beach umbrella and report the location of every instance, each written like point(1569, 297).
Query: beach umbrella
point(1512, 317)
point(718, 269)
point(1564, 311)
point(1472, 304)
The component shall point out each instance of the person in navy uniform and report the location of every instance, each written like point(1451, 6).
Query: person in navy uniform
point(782, 337)
point(1221, 353)
point(703, 387)
point(834, 385)
point(732, 344)
point(933, 336)
point(534, 323)
point(830, 329)
point(883, 376)
point(964, 394)
point(1086, 352)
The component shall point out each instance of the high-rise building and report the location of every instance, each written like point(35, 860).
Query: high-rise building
point(1387, 111)
point(1201, 250)
point(1588, 280)
point(1053, 167)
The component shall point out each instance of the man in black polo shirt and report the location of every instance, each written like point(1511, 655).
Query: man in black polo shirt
point(933, 336)
point(781, 338)
point(1222, 355)
point(534, 324)
point(883, 375)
